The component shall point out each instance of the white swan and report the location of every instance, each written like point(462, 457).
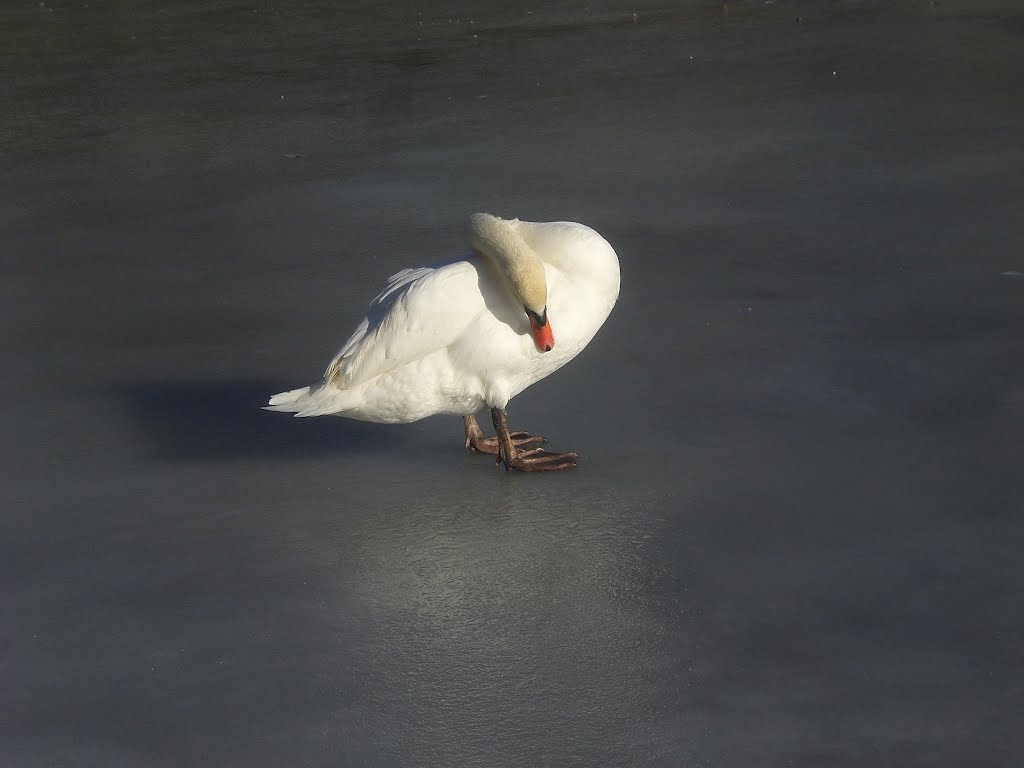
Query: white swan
point(473, 333)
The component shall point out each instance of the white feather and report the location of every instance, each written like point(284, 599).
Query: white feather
point(454, 338)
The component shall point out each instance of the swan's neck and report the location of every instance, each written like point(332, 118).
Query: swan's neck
point(517, 262)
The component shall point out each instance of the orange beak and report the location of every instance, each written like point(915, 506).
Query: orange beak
point(542, 335)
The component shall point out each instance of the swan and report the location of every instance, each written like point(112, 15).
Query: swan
point(472, 333)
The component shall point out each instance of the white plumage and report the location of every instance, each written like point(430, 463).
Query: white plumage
point(454, 337)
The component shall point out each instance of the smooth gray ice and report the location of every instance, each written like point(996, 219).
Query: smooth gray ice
point(794, 537)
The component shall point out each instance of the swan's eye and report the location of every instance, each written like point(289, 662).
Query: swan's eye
point(540, 320)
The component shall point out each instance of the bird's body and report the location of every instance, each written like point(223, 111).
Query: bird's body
point(454, 338)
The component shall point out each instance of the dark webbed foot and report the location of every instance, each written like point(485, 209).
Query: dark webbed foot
point(526, 459)
point(476, 442)
point(539, 460)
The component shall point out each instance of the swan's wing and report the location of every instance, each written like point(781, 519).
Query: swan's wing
point(380, 303)
point(419, 311)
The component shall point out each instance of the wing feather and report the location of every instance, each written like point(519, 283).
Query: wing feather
point(419, 312)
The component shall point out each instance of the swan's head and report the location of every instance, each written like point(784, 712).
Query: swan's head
point(532, 287)
point(500, 241)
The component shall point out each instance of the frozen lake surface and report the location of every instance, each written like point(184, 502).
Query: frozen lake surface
point(795, 534)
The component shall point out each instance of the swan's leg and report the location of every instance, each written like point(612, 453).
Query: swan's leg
point(476, 442)
point(532, 460)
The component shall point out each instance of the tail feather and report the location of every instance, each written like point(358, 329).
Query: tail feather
point(309, 401)
point(293, 400)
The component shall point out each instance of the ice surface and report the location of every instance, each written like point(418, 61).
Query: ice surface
point(794, 535)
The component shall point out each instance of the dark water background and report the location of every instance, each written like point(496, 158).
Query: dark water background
point(795, 535)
